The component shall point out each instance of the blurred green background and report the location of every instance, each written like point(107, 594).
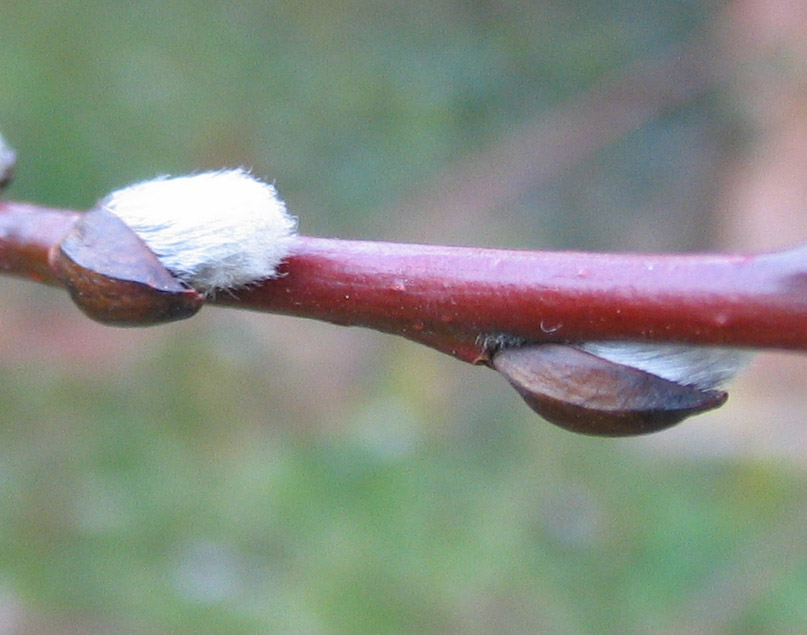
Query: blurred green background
point(241, 473)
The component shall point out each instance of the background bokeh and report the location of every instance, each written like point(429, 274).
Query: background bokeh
point(253, 473)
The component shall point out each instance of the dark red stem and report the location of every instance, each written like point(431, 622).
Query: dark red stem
point(460, 299)
point(463, 301)
point(27, 232)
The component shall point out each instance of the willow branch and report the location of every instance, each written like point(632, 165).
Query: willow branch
point(27, 234)
point(460, 300)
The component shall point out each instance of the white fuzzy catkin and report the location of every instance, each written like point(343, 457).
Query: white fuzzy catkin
point(8, 159)
point(702, 367)
point(214, 231)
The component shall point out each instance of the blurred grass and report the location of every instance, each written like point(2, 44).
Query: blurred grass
point(139, 498)
point(259, 474)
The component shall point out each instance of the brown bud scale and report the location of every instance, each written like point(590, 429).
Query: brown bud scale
point(591, 395)
point(115, 278)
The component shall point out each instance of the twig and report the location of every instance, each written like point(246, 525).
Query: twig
point(453, 298)
point(459, 299)
point(494, 307)
point(27, 234)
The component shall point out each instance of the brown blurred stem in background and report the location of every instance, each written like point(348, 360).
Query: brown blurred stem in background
point(465, 194)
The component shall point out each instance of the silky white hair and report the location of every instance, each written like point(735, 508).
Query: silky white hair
point(8, 158)
point(699, 366)
point(214, 231)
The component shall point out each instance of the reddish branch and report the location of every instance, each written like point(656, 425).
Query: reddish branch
point(463, 300)
point(451, 298)
point(27, 233)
